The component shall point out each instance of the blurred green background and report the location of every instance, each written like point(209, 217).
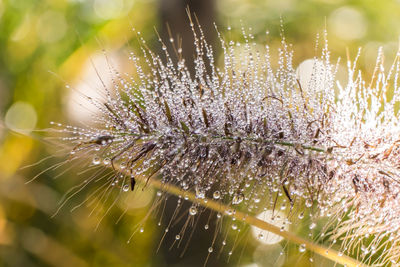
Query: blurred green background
point(46, 45)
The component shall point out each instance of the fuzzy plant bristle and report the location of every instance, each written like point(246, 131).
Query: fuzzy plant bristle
point(250, 134)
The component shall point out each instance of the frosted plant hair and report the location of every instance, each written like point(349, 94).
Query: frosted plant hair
point(246, 137)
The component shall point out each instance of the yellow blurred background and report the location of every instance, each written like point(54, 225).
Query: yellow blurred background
point(47, 53)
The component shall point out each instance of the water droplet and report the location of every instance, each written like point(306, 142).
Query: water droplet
point(210, 249)
point(237, 199)
point(312, 226)
point(200, 193)
point(302, 248)
point(309, 203)
point(96, 161)
point(193, 210)
point(301, 215)
point(216, 194)
point(141, 229)
point(234, 226)
point(206, 226)
point(125, 188)
point(106, 161)
point(229, 212)
point(177, 237)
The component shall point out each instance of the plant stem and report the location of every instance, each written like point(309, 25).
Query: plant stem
point(250, 139)
point(251, 220)
point(271, 141)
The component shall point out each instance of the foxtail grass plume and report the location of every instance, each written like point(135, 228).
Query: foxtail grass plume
point(258, 138)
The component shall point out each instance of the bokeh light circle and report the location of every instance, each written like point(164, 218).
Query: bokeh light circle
point(21, 117)
point(276, 218)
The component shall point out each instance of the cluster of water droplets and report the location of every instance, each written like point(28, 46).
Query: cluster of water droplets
point(252, 136)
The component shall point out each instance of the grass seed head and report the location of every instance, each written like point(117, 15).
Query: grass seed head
point(258, 137)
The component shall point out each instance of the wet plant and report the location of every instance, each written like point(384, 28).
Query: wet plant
point(246, 137)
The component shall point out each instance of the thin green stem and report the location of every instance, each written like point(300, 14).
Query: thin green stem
point(250, 139)
point(271, 141)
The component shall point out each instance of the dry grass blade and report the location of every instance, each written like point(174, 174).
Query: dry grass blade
point(251, 220)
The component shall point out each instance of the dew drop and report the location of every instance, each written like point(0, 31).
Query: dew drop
point(229, 212)
point(200, 194)
point(234, 226)
point(106, 161)
point(237, 199)
point(302, 248)
point(193, 210)
point(125, 188)
point(216, 194)
point(177, 237)
point(96, 161)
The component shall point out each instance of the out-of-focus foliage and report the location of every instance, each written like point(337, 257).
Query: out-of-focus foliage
point(45, 45)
